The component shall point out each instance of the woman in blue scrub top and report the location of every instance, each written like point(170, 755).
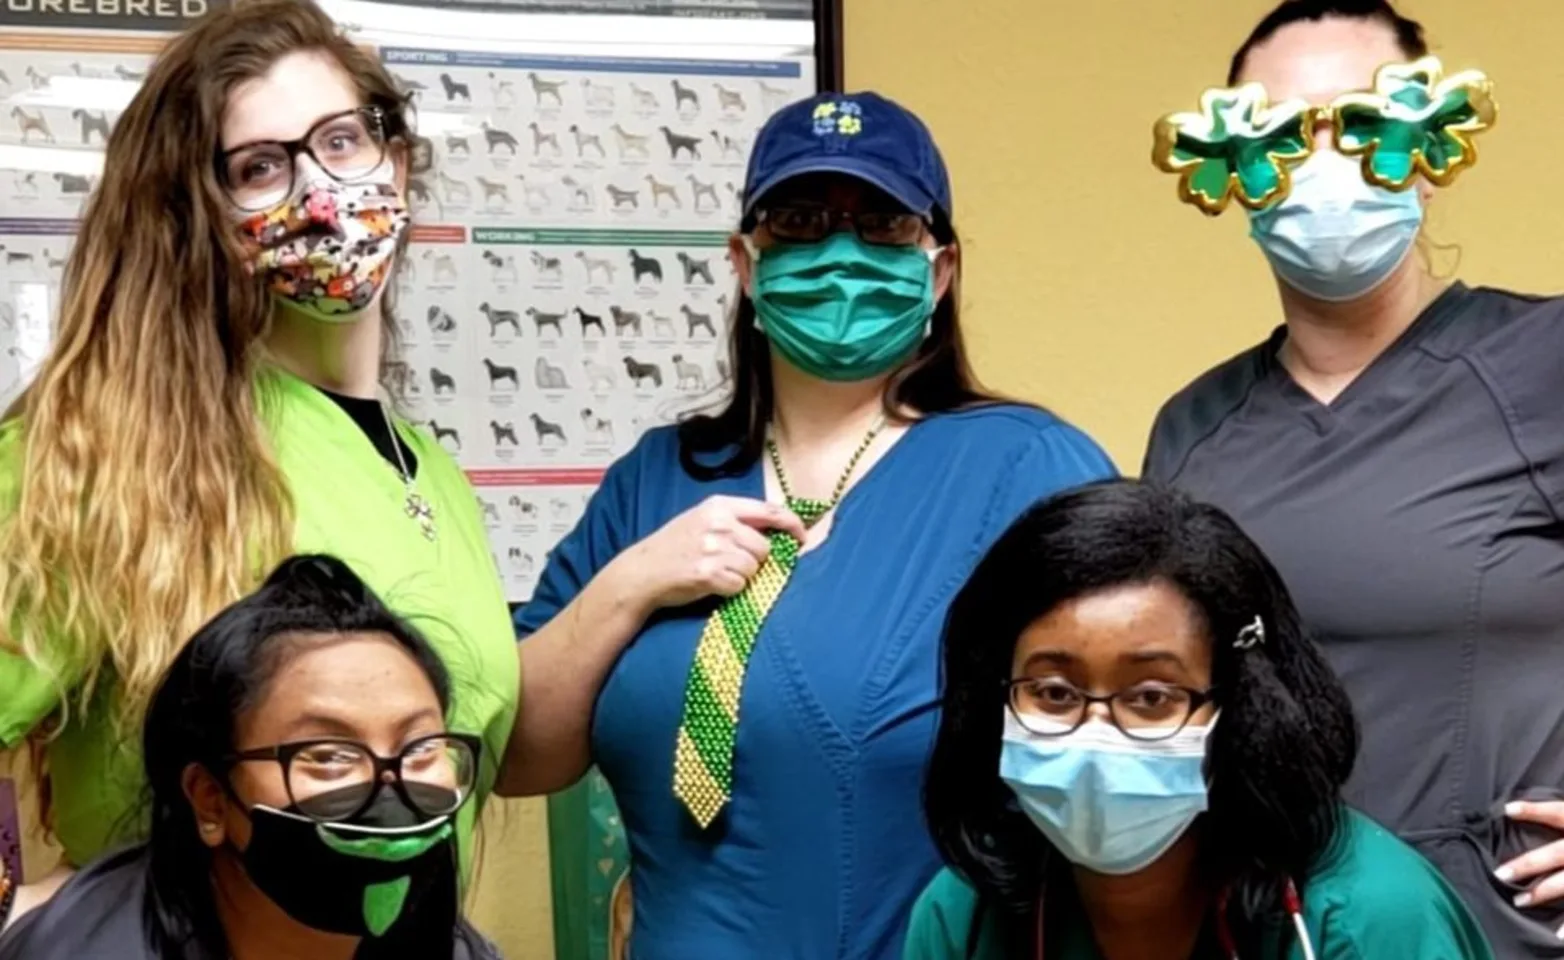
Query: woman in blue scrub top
point(852, 397)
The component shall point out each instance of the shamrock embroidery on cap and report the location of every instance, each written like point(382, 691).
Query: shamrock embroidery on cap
point(1416, 121)
point(1236, 146)
point(840, 118)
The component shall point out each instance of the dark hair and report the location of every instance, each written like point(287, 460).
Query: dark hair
point(222, 672)
point(937, 378)
point(1409, 33)
point(1284, 747)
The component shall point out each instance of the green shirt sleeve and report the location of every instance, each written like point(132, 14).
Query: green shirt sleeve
point(1380, 898)
point(27, 692)
point(941, 926)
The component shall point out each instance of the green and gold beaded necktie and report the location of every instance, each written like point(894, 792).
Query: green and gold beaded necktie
point(703, 757)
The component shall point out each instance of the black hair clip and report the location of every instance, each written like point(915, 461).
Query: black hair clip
point(1251, 636)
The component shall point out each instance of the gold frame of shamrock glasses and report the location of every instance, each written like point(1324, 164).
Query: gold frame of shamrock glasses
point(1415, 123)
point(285, 755)
point(1113, 701)
point(375, 125)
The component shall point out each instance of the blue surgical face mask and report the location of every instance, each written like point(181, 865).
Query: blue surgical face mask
point(842, 309)
point(1337, 237)
point(1107, 802)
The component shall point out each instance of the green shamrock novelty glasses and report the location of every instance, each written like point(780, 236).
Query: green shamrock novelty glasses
point(1415, 122)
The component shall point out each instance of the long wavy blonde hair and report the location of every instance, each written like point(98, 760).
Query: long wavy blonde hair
point(149, 497)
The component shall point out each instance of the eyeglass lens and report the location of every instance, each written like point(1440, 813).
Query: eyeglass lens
point(811, 223)
point(261, 175)
point(1148, 711)
point(333, 780)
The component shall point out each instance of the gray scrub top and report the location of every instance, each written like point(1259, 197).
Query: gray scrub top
point(1417, 522)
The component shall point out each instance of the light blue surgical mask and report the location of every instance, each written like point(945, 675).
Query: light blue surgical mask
point(843, 309)
point(1107, 802)
point(1337, 237)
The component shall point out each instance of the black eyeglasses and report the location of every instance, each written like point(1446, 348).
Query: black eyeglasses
point(348, 146)
point(800, 221)
point(1051, 707)
point(331, 780)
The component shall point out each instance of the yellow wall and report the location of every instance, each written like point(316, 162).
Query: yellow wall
point(1090, 289)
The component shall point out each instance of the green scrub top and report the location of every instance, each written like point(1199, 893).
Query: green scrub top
point(1370, 897)
point(349, 502)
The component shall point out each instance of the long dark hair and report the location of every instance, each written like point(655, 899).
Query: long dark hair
point(1409, 33)
point(935, 379)
point(1284, 747)
point(222, 672)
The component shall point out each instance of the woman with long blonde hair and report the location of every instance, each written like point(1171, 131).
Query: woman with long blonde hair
point(211, 405)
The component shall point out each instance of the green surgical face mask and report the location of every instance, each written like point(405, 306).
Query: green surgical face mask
point(842, 309)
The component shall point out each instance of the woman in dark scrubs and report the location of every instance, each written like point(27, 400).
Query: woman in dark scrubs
point(1397, 447)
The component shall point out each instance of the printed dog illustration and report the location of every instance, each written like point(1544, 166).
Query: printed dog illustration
point(126, 74)
point(440, 322)
point(490, 512)
point(500, 374)
point(523, 508)
point(30, 124)
point(585, 140)
point(419, 191)
point(541, 320)
point(624, 198)
point(706, 191)
point(683, 96)
point(679, 143)
point(595, 265)
point(501, 269)
point(502, 432)
point(597, 96)
point(597, 428)
point(644, 98)
point(580, 195)
point(455, 144)
point(17, 256)
point(547, 267)
point(493, 192)
point(632, 143)
point(590, 320)
point(503, 91)
point(548, 376)
point(442, 434)
point(499, 318)
point(774, 98)
point(536, 193)
point(38, 80)
point(662, 327)
point(695, 269)
point(442, 382)
point(455, 190)
point(543, 138)
point(694, 321)
point(600, 379)
point(92, 123)
point(546, 88)
point(496, 138)
point(687, 376)
point(644, 267)
point(625, 320)
point(730, 146)
point(661, 190)
point(26, 183)
point(444, 266)
point(545, 430)
point(454, 89)
point(640, 373)
point(728, 99)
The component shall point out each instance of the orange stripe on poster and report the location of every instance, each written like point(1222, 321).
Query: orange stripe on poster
point(540, 477)
point(436, 233)
point(82, 42)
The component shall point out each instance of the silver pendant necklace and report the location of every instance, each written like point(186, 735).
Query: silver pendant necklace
point(416, 507)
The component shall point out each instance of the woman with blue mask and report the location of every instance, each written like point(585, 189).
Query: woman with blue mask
point(1141, 755)
point(742, 630)
point(1397, 447)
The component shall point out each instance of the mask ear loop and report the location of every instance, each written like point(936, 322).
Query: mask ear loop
point(1237, 145)
point(1416, 122)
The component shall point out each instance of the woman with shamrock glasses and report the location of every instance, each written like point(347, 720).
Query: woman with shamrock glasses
point(304, 791)
point(1397, 446)
point(1141, 758)
point(213, 403)
point(741, 632)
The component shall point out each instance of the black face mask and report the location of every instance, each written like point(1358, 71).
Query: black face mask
point(354, 878)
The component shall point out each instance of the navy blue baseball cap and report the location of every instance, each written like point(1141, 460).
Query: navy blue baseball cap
point(860, 135)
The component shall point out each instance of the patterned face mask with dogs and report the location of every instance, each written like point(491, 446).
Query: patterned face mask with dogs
point(327, 250)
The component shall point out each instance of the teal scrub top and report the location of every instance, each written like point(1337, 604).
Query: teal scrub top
point(349, 502)
point(1370, 897)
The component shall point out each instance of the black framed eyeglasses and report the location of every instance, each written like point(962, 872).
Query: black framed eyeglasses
point(1053, 707)
point(331, 780)
point(801, 221)
point(348, 146)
